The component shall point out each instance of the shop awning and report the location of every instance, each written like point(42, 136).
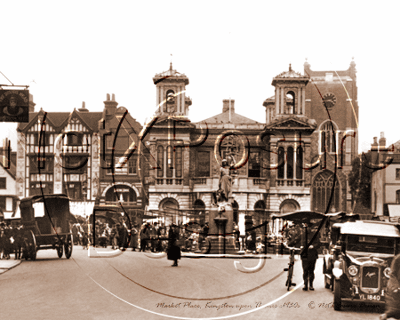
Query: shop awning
point(394, 212)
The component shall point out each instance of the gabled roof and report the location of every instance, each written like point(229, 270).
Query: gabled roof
point(59, 119)
point(12, 171)
point(234, 118)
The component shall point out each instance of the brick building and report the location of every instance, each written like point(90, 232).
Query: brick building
point(69, 159)
point(306, 120)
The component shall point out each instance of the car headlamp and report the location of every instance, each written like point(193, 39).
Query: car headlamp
point(352, 270)
point(386, 272)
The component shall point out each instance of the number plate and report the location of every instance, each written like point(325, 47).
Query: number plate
point(370, 297)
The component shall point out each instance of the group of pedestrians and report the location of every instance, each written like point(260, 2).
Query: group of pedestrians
point(11, 241)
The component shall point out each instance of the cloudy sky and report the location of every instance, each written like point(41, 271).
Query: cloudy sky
point(75, 51)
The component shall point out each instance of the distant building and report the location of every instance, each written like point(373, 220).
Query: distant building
point(385, 182)
point(8, 198)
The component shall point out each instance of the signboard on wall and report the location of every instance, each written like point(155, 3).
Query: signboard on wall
point(14, 105)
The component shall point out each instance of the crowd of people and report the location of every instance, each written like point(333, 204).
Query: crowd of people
point(11, 241)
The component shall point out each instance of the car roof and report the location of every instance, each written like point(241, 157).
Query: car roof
point(370, 228)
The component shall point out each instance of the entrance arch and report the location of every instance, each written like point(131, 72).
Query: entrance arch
point(169, 209)
point(199, 211)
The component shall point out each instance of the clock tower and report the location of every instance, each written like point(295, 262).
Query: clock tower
point(170, 93)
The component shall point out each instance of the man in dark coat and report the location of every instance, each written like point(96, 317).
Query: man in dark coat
point(144, 235)
point(308, 258)
point(393, 292)
point(173, 252)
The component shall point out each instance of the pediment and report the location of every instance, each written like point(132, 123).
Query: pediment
point(292, 124)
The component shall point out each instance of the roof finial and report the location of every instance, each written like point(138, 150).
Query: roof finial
point(290, 67)
point(170, 64)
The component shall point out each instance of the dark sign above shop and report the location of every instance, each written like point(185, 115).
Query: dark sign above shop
point(14, 105)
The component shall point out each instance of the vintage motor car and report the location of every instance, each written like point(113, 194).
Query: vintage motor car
point(357, 269)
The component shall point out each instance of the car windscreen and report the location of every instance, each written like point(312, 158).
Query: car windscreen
point(373, 244)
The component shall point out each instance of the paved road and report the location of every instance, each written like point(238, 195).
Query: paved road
point(133, 286)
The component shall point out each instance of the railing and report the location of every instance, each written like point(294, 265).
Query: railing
point(289, 183)
point(162, 181)
point(199, 180)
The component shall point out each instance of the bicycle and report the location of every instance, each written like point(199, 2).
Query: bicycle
point(289, 282)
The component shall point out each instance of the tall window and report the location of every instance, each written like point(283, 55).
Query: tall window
point(281, 163)
point(178, 162)
point(329, 142)
point(203, 163)
point(322, 191)
point(299, 163)
point(289, 165)
point(397, 196)
point(254, 164)
point(160, 161)
point(170, 162)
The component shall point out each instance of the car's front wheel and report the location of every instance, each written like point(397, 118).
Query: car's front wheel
point(337, 299)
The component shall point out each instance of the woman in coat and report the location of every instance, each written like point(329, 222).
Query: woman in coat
point(134, 243)
point(393, 291)
point(173, 251)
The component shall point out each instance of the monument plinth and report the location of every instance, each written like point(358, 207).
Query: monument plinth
point(220, 234)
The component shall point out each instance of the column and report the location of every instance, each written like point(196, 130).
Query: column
point(299, 104)
point(183, 100)
point(277, 100)
point(303, 100)
point(157, 95)
point(282, 102)
point(285, 165)
point(294, 159)
point(162, 99)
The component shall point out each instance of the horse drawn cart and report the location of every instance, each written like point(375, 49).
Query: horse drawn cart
point(45, 219)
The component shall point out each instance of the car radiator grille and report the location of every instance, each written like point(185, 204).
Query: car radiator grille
point(370, 277)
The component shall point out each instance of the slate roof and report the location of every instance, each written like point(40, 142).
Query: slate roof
point(58, 119)
point(235, 118)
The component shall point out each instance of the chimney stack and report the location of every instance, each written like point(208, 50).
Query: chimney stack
point(225, 105)
point(110, 106)
point(382, 140)
point(83, 109)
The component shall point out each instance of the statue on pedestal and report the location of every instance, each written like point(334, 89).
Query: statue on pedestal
point(224, 192)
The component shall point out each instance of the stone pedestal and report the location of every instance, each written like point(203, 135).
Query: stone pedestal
point(220, 235)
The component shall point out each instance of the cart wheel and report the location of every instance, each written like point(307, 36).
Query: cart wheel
point(68, 245)
point(60, 250)
point(30, 245)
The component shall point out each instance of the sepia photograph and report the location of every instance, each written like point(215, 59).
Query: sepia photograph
point(199, 160)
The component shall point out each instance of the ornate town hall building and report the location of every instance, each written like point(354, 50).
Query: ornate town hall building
point(296, 160)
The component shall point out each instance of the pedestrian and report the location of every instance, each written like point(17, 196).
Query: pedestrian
point(18, 243)
point(144, 235)
point(308, 258)
point(173, 251)
point(392, 306)
point(134, 237)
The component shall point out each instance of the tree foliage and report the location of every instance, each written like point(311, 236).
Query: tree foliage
point(360, 180)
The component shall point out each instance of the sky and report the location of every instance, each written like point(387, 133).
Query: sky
point(74, 51)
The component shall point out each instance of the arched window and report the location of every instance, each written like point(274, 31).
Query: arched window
point(290, 103)
point(328, 134)
point(199, 211)
point(259, 210)
point(160, 161)
point(289, 165)
point(121, 193)
point(281, 163)
point(322, 191)
point(299, 163)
